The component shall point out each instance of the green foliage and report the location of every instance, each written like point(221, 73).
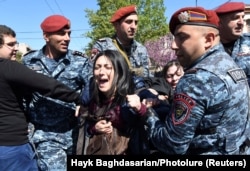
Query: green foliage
point(19, 56)
point(152, 22)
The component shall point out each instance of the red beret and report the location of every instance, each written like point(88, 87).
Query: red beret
point(230, 7)
point(123, 11)
point(194, 16)
point(54, 23)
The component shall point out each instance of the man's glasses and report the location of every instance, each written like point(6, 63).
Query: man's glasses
point(12, 45)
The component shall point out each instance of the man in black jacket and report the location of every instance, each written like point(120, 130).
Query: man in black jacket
point(17, 82)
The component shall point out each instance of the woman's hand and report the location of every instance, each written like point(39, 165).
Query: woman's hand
point(103, 127)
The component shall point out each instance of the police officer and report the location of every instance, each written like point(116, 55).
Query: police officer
point(235, 42)
point(125, 22)
point(53, 119)
point(210, 106)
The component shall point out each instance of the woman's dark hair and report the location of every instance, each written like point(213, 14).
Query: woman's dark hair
point(169, 64)
point(122, 84)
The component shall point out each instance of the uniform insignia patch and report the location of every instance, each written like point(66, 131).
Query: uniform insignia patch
point(35, 68)
point(102, 39)
point(237, 75)
point(183, 105)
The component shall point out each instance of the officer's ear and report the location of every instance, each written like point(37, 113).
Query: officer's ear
point(46, 36)
point(116, 25)
point(210, 39)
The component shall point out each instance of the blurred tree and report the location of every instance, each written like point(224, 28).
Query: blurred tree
point(160, 51)
point(152, 21)
point(19, 56)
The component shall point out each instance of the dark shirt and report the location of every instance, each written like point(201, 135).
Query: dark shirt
point(229, 47)
point(16, 82)
point(160, 85)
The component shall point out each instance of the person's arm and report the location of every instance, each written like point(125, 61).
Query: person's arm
point(175, 134)
point(18, 74)
point(133, 101)
point(87, 76)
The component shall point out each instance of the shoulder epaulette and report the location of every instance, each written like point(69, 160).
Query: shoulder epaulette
point(77, 53)
point(31, 51)
point(102, 40)
point(191, 71)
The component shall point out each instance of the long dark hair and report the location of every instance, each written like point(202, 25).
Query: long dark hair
point(122, 84)
point(168, 65)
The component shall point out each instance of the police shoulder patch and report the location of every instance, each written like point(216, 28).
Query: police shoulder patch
point(78, 53)
point(102, 39)
point(182, 108)
point(237, 74)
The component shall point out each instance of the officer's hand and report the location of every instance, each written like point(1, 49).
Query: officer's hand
point(150, 102)
point(134, 102)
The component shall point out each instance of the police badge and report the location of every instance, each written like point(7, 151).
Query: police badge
point(183, 106)
point(187, 16)
point(183, 17)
